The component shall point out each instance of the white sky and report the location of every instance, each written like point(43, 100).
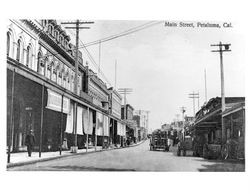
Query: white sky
point(164, 64)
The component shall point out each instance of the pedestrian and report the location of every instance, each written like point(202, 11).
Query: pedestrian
point(30, 142)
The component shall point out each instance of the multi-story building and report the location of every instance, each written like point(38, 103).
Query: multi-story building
point(118, 127)
point(141, 118)
point(41, 93)
point(127, 116)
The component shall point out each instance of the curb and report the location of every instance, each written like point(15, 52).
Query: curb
point(10, 165)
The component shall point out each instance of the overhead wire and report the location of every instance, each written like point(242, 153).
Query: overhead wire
point(91, 58)
point(127, 32)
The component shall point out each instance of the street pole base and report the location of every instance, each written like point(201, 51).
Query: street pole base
point(73, 149)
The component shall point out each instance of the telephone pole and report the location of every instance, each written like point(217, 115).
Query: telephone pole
point(205, 75)
point(195, 96)
point(222, 48)
point(125, 92)
point(183, 110)
point(77, 27)
point(115, 72)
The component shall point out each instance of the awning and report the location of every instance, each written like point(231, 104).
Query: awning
point(69, 124)
point(106, 125)
point(79, 127)
point(54, 102)
point(89, 130)
point(99, 127)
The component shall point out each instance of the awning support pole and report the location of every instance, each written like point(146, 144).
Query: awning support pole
point(11, 116)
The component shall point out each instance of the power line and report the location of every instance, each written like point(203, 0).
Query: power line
point(127, 32)
point(92, 59)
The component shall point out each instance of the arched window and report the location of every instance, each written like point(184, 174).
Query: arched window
point(28, 58)
point(56, 35)
point(8, 43)
point(18, 54)
point(40, 64)
point(48, 66)
point(51, 31)
point(54, 72)
point(61, 40)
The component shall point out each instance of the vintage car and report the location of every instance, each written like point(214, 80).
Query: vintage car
point(159, 141)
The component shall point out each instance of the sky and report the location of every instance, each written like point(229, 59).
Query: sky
point(164, 64)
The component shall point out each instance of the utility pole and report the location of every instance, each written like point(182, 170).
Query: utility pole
point(115, 72)
point(222, 48)
point(99, 65)
point(77, 27)
point(205, 74)
point(194, 96)
point(125, 91)
point(183, 110)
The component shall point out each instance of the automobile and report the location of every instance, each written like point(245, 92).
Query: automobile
point(159, 141)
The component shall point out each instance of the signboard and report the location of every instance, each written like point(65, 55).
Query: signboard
point(54, 102)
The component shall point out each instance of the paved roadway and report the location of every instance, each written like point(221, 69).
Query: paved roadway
point(137, 158)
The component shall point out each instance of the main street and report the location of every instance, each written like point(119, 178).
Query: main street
point(137, 158)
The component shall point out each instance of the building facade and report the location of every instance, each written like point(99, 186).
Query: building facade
point(41, 93)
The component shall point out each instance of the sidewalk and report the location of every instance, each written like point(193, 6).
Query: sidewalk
point(21, 158)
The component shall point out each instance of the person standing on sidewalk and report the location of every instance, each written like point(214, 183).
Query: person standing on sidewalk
point(30, 142)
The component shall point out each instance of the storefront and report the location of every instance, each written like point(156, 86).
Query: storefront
point(235, 131)
point(36, 108)
point(207, 128)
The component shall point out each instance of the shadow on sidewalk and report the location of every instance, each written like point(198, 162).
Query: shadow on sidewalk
point(222, 166)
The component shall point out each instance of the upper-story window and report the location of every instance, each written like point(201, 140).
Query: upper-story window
point(19, 50)
point(54, 72)
point(29, 56)
point(8, 43)
point(61, 40)
point(57, 35)
point(59, 76)
point(44, 22)
point(66, 43)
point(67, 84)
point(51, 30)
point(72, 83)
point(48, 68)
point(40, 64)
